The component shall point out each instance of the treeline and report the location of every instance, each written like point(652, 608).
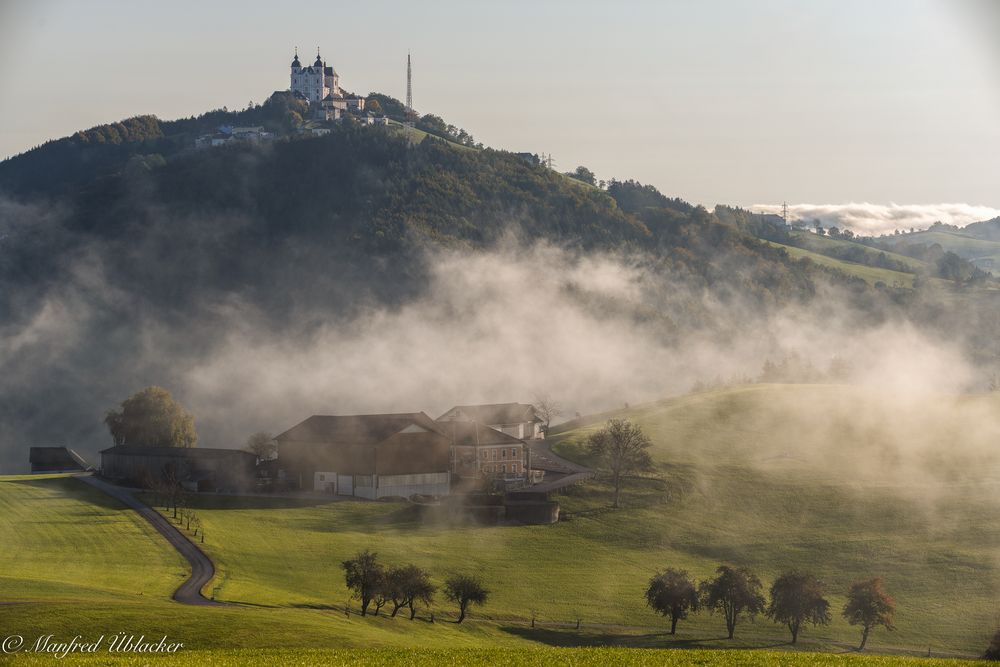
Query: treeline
point(796, 599)
point(376, 585)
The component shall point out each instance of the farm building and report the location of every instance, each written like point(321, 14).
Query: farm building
point(55, 459)
point(478, 451)
point(195, 468)
point(368, 456)
point(519, 420)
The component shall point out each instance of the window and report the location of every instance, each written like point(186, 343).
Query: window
point(503, 453)
point(322, 478)
point(503, 468)
point(513, 452)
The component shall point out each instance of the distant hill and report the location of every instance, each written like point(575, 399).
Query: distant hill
point(125, 233)
point(976, 245)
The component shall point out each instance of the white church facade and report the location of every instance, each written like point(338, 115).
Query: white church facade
point(319, 84)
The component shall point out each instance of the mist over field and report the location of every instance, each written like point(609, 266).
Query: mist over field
point(593, 329)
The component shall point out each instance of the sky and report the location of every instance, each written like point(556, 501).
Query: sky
point(744, 102)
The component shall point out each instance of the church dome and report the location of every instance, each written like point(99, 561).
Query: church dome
point(319, 62)
point(296, 63)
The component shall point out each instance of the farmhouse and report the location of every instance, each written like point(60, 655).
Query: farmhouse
point(478, 452)
point(368, 456)
point(195, 468)
point(519, 420)
point(55, 459)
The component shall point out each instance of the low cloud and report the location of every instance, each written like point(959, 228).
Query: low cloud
point(874, 219)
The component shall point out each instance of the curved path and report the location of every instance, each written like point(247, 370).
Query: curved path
point(202, 569)
point(560, 472)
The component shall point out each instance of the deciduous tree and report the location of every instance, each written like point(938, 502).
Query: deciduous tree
point(797, 598)
point(733, 592)
point(672, 594)
point(407, 585)
point(465, 589)
point(622, 447)
point(262, 445)
point(151, 418)
point(869, 605)
point(364, 576)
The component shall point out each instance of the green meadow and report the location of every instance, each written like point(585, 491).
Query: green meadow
point(829, 479)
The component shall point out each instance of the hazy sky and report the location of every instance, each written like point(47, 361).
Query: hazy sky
point(735, 101)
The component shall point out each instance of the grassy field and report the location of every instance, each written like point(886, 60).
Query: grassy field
point(599, 657)
point(823, 478)
point(825, 245)
point(963, 246)
point(870, 274)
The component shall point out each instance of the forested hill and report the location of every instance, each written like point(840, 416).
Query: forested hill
point(183, 223)
point(129, 258)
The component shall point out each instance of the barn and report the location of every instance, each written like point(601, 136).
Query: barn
point(367, 456)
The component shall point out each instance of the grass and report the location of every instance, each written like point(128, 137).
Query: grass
point(598, 657)
point(870, 274)
point(966, 247)
point(825, 245)
point(829, 479)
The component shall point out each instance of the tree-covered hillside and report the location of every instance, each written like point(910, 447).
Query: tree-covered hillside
point(128, 257)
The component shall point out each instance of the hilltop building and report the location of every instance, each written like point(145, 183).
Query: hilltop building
point(319, 84)
point(194, 468)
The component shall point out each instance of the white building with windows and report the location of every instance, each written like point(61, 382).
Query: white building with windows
point(319, 84)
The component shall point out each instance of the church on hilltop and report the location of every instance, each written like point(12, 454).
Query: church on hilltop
point(319, 84)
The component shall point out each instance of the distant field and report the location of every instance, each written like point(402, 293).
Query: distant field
point(963, 246)
point(870, 274)
point(825, 244)
point(773, 477)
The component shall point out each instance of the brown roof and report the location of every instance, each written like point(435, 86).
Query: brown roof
point(400, 454)
point(469, 434)
point(498, 413)
point(355, 429)
point(186, 452)
point(55, 458)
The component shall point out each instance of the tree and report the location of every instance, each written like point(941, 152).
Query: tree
point(406, 585)
point(262, 445)
point(374, 107)
point(672, 594)
point(151, 418)
point(869, 605)
point(583, 174)
point(547, 409)
point(465, 589)
point(364, 576)
point(733, 592)
point(621, 446)
point(797, 598)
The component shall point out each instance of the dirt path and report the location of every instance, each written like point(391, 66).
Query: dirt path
point(559, 472)
point(202, 569)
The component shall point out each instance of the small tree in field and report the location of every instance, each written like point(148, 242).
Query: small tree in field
point(364, 576)
point(407, 585)
point(465, 589)
point(734, 592)
point(993, 652)
point(797, 598)
point(869, 605)
point(262, 445)
point(621, 446)
point(672, 594)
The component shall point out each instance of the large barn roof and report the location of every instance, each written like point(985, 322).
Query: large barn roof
point(186, 452)
point(497, 413)
point(356, 429)
point(468, 434)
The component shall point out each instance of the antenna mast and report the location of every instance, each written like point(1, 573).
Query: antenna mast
point(784, 212)
point(409, 91)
